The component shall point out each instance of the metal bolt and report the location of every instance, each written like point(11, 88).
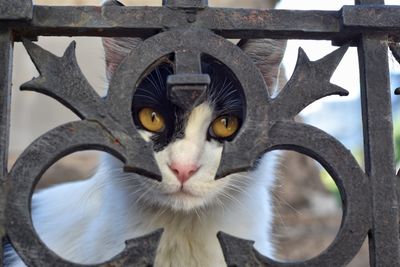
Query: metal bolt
point(191, 18)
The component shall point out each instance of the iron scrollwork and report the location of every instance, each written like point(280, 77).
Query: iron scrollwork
point(107, 126)
point(106, 123)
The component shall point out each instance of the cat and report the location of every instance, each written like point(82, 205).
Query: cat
point(88, 221)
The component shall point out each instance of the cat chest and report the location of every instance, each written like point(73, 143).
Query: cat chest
point(189, 248)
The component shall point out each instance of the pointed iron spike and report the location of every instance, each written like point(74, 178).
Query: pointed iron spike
point(141, 251)
point(28, 44)
point(38, 55)
point(31, 85)
point(329, 63)
point(70, 51)
point(301, 63)
point(237, 251)
point(337, 90)
point(302, 57)
point(302, 92)
point(70, 54)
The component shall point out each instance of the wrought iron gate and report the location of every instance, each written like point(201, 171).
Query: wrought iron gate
point(188, 29)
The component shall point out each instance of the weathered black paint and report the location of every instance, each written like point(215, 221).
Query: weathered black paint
point(187, 30)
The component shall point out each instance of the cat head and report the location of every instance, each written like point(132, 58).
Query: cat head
point(188, 144)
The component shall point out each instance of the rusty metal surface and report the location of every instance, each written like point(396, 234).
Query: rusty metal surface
point(146, 21)
point(230, 23)
point(378, 148)
point(187, 30)
point(371, 17)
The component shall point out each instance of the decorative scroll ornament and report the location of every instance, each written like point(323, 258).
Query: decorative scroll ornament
point(107, 125)
point(61, 78)
point(310, 82)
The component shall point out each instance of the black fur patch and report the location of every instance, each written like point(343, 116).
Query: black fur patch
point(224, 94)
point(10, 256)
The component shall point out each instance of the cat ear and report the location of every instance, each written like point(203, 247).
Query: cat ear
point(117, 48)
point(267, 55)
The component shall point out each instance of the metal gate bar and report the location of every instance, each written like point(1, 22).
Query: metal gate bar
point(5, 101)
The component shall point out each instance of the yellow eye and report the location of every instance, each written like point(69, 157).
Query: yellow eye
point(151, 120)
point(225, 126)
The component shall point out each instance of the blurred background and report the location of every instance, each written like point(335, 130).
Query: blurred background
point(307, 202)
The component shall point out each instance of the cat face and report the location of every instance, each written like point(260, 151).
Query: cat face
point(188, 144)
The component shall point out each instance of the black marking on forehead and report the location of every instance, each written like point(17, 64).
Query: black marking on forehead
point(152, 92)
point(224, 95)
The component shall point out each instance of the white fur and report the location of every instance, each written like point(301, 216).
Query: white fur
point(89, 221)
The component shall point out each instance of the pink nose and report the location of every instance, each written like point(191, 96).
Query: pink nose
point(183, 171)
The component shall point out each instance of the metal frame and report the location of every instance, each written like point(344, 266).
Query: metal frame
point(188, 29)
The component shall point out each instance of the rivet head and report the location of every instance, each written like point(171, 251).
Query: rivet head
point(191, 18)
